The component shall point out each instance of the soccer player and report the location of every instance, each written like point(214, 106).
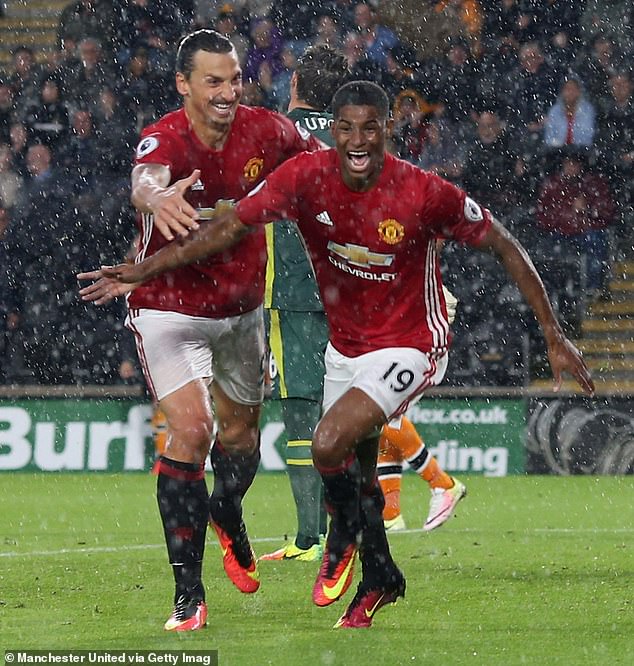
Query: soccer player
point(297, 327)
point(298, 335)
point(199, 329)
point(370, 223)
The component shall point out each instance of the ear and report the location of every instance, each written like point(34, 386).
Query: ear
point(389, 125)
point(182, 85)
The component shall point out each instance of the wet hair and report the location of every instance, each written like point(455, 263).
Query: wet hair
point(200, 40)
point(320, 71)
point(361, 93)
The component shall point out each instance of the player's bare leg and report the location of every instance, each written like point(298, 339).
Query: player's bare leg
point(183, 498)
point(235, 456)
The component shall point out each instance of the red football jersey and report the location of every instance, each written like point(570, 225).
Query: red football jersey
point(374, 253)
point(232, 282)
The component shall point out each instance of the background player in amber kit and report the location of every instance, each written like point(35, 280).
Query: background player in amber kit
point(199, 329)
point(377, 270)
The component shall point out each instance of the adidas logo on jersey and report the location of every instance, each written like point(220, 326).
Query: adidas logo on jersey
point(198, 185)
point(324, 218)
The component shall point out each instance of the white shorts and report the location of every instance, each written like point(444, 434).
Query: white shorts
point(394, 377)
point(175, 349)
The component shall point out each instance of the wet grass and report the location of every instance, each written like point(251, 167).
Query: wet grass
point(533, 570)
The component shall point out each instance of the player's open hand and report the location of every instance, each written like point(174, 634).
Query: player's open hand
point(173, 215)
point(565, 357)
point(104, 288)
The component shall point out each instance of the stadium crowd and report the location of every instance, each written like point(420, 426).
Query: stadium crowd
point(528, 105)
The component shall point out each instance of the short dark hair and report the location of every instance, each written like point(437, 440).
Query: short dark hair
point(320, 71)
point(200, 40)
point(361, 93)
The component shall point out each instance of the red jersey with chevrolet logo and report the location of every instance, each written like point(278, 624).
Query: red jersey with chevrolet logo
point(374, 253)
point(232, 282)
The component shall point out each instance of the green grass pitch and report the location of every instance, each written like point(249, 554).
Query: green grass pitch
point(531, 570)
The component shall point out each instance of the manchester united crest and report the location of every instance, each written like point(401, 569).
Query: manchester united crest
point(391, 231)
point(253, 168)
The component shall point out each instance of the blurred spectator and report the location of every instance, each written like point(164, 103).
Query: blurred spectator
point(252, 94)
point(267, 48)
point(572, 119)
point(401, 73)
point(455, 81)
point(410, 128)
point(33, 241)
point(498, 63)
point(8, 300)
point(116, 137)
point(576, 208)
point(295, 20)
point(85, 78)
point(19, 142)
point(560, 22)
point(491, 168)
point(153, 25)
point(615, 141)
point(327, 31)
point(138, 93)
point(11, 181)
point(610, 18)
point(377, 39)
point(48, 119)
point(361, 67)
point(343, 12)
point(277, 89)
point(7, 110)
point(527, 94)
point(25, 79)
point(502, 20)
point(79, 158)
point(85, 18)
point(226, 23)
point(443, 152)
point(465, 13)
point(596, 67)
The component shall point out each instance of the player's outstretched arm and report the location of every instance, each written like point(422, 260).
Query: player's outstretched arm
point(102, 290)
point(562, 354)
point(152, 193)
point(222, 232)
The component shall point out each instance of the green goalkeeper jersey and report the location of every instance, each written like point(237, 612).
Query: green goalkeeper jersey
point(290, 283)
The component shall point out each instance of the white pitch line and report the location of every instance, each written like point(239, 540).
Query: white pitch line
point(466, 530)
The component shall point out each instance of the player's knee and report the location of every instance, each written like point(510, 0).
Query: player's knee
point(327, 449)
point(240, 439)
point(193, 437)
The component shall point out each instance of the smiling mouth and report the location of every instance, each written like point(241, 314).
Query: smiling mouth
point(223, 108)
point(359, 160)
